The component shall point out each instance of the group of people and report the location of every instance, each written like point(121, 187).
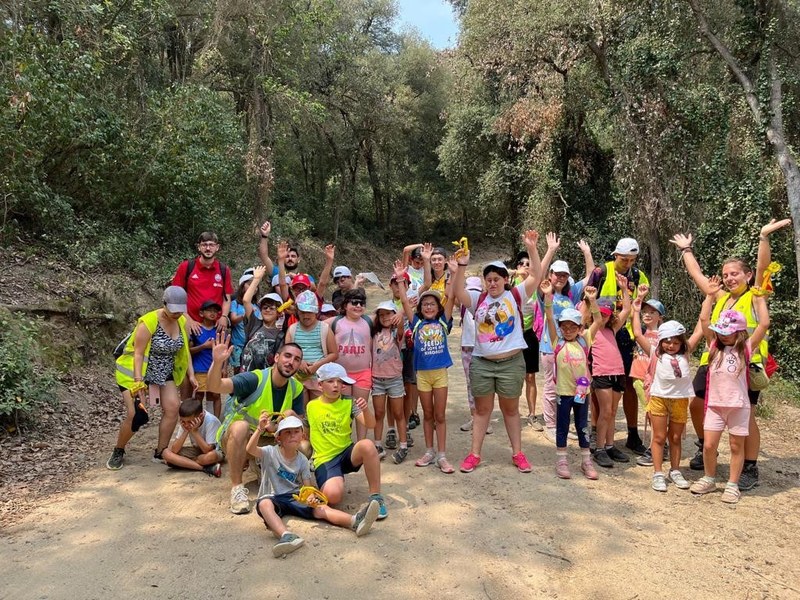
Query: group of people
point(272, 373)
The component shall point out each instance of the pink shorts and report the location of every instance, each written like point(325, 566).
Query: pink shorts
point(737, 420)
point(363, 379)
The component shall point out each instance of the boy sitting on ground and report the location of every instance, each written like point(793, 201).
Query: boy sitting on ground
point(283, 470)
point(330, 422)
point(200, 429)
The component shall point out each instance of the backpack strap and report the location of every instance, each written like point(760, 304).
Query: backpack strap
point(514, 292)
point(335, 321)
point(189, 268)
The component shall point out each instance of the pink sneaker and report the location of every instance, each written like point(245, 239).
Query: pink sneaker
point(588, 469)
point(469, 464)
point(562, 468)
point(521, 462)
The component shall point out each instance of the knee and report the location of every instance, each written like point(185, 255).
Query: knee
point(265, 507)
point(509, 409)
point(365, 448)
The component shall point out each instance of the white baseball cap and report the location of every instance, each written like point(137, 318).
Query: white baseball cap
point(560, 266)
point(670, 329)
point(388, 305)
point(571, 315)
point(271, 296)
point(341, 271)
point(290, 422)
point(277, 278)
point(334, 371)
point(627, 246)
point(247, 276)
point(327, 308)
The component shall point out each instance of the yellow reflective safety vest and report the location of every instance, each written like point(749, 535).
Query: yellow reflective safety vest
point(124, 371)
point(609, 295)
point(744, 305)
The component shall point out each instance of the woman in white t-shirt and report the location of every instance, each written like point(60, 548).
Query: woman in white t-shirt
point(497, 364)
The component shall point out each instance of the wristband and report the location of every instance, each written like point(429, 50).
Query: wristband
point(548, 305)
point(264, 237)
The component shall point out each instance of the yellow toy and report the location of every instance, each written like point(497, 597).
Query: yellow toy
point(308, 493)
point(462, 244)
point(285, 305)
point(275, 416)
point(137, 387)
point(766, 288)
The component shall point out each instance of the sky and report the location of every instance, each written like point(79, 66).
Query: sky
point(434, 19)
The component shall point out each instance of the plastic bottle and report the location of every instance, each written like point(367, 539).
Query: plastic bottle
point(581, 390)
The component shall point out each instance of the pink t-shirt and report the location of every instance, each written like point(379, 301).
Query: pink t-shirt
point(354, 340)
point(641, 360)
point(727, 379)
point(606, 359)
point(386, 358)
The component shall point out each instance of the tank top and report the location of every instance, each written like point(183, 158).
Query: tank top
point(310, 342)
point(606, 359)
point(354, 340)
point(727, 379)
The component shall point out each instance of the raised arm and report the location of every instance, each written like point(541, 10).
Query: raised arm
point(220, 354)
point(588, 261)
point(547, 292)
point(553, 244)
point(427, 250)
point(590, 293)
point(531, 283)
point(283, 252)
point(450, 302)
point(407, 253)
point(263, 247)
point(764, 250)
point(247, 299)
point(399, 271)
point(325, 274)
point(622, 318)
point(641, 339)
point(459, 291)
point(707, 307)
point(684, 244)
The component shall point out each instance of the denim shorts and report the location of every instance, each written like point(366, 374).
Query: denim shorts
point(388, 386)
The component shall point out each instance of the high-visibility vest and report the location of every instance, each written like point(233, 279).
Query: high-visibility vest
point(744, 305)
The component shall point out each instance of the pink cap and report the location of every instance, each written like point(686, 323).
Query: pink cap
point(730, 322)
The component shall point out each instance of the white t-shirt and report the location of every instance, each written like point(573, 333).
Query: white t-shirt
point(468, 330)
point(207, 430)
point(498, 324)
point(417, 277)
point(666, 381)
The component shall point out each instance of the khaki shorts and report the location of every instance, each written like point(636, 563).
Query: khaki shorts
point(677, 409)
point(504, 377)
point(431, 379)
point(202, 381)
point(193, 452)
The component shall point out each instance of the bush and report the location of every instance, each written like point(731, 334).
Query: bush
point(25, 386)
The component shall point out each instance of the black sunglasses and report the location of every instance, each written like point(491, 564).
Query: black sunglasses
point(358, 302)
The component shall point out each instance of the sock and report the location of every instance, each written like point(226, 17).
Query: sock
point(750, 463)
point(404, 445)
point(353, 522)
point(709, 479)
point(560, 453)
point(608, 446)
point(732, 484)
point(586, 453)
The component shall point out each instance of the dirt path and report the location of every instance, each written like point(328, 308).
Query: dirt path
point(149, 532)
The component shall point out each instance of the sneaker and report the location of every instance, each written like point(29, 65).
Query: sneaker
point(240, 503)
point(703, 486)
point(365, 517)
point(562, 468)
point(731, 494)
point(534, 423)
point(617, 455)
point(696, 463)
point(550, 434)
point(382, 512)
point(409, 440)
point(601, 458)
point(426, 459)
point(659, 482)
point(157, 457)
point(489, 430)
point(444, 465)
point(214, 470)
point(588, 468)
point(381, 451)
point(468, 464)
point(391, 439)
point(521, 462)
point(413, 421)
point(288, 543)
point(399, 455)
point(115, 462)
point(677, 478)
point(749, 477)
point(646, 459)
point(467, 426)
point(635, 445)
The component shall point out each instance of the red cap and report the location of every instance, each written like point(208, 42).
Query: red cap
point(405, 276)
point(301, 279)
point(606, 311)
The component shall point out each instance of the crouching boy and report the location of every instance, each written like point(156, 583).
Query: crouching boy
point(200, 429)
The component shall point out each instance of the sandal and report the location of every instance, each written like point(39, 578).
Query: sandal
point(444, 465)
point(426, 459)
point(731, 495)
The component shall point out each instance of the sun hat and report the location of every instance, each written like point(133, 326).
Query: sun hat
point(271, 296)
point(175, 299)
point(334, 371)
point(276, 280)
point(560, 266)
point(434, 293)
point(474, 284)
point(301, 279)
point(341, 271)
point(730, 322)
point(571, 315)
point(388, 305)
point(627, 246)
point(290, 422)
point(670, 329)
point(495, 264)
point(307, 302)
point(653, 303)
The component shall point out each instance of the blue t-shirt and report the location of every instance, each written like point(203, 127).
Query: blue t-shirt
point(276, 272)
point(560, 302)
point(201, 361)
point(430, 343)
point(238, 335)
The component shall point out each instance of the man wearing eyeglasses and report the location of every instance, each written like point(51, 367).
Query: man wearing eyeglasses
point(205, 278)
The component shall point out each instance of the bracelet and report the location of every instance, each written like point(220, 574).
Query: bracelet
point(549, 305)
point(264, 237)
point(463, 265)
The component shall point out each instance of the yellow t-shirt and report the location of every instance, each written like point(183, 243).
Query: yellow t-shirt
point(330, 427)
point(571, 364)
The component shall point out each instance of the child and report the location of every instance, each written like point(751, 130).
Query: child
point(670, 388)
point(330, 422)
point(316, 340)
point(652, 315)
point(200, 347)
point(608, 371)
point(387, 377)
point(283, 471)
point(430, 325)
point(727, 403)
point(571, 371)
point(238, 316)
point(264, 336)
point(200, 428)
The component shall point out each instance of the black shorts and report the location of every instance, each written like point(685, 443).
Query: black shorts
point(286, 506)
point(699, 385)
point(615, 383)
point(409, 374)
point(531, 352)
point(339, 466)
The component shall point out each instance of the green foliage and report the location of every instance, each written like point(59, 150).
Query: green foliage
point(25, 386)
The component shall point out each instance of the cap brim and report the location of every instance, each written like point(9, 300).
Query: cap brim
point(176, 308)
point(344, 379)
point(722, 330)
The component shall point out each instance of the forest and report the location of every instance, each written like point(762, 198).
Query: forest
point(131, 124)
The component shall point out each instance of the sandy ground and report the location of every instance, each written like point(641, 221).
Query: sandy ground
point(148, 532)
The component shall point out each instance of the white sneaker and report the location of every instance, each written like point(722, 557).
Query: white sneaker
point(489, 430)
point(550, 434)
point(534, 423)
point(240, 502)
point(467, 426)
point(677, 478)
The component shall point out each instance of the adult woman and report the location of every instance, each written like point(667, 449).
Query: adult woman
point(156, 354)
point(498, 366)
point(736, 278)
point(437, 277)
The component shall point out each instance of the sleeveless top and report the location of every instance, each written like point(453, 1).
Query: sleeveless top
point(310, 342)
point(162, 356)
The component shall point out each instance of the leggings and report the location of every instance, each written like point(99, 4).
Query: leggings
point(567, 404)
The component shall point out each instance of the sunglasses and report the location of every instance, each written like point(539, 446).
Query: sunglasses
point(358, 302)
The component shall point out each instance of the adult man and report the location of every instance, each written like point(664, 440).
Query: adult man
point(605, 280)
point(205, 278)
point(272, 390)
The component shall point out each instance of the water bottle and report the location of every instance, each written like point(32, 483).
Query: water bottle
point(581, 390)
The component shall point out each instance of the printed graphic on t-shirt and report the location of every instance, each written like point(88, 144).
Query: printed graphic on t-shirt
point(495, 319)
point(386, 349)
point(431, 338)
point(284, 473)
point(354, 345)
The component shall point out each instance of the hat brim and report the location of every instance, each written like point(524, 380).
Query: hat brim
point(176, 308)
point(344, 379)
point(723, 330)
point(575, 320)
